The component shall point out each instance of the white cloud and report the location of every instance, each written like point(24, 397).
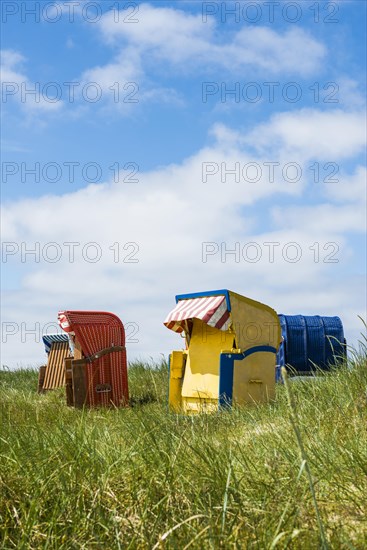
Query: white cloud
point(343, 214)
point(186, 42)
point(17, 86)
point(278, 53)
point(169, 214)
point(350, 93)
point(170, 31)
point(171, 42)
point(168, 42)
point(324, 218)
point(349, 189)
point(10, 58)
point(330, 135)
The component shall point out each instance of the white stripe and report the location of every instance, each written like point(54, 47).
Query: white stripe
point(226, 324)
point(198, 308)
point(179, 310)
point(172, 315)
point(220, 311)
point(215, 306)
point(186, 309)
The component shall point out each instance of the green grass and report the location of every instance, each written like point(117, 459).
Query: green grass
point(145, 478)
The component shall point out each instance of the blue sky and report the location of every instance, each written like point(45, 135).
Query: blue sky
point(210, 165)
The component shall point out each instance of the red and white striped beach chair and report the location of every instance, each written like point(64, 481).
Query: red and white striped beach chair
point(97, 375)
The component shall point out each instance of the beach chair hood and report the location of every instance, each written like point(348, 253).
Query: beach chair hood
point(49, 339)
point(212, 310)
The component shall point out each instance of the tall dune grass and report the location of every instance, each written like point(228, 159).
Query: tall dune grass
point(145, 478)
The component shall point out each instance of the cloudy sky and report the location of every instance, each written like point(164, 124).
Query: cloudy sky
point(153, 149)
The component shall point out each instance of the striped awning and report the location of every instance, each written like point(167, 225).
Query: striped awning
point(63, 321)
point(49, 339)
point(212, 310)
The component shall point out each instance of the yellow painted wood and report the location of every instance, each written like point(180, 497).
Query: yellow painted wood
point(192, 405)
point(177, 369)
point(201, 378)
point(254, 378)
point(253, 323)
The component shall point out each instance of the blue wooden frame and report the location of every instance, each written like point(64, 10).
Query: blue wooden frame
point(226, 367)
point(207, 294)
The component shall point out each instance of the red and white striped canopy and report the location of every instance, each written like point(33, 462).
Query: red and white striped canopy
point(211, 309)
point(63, 321)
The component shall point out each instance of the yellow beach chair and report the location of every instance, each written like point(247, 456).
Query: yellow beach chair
point(230, 356)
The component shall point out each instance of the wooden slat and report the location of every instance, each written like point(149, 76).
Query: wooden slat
point(60, 378)
point(54, 363)
point(55, 374)
point(69, 381)
point(79, 383)
point(41, 378)
point(78, 354)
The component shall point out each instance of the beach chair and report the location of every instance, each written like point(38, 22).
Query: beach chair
point(230, 356)
point(310, 343)
point(96, 375)
point(52, 375)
